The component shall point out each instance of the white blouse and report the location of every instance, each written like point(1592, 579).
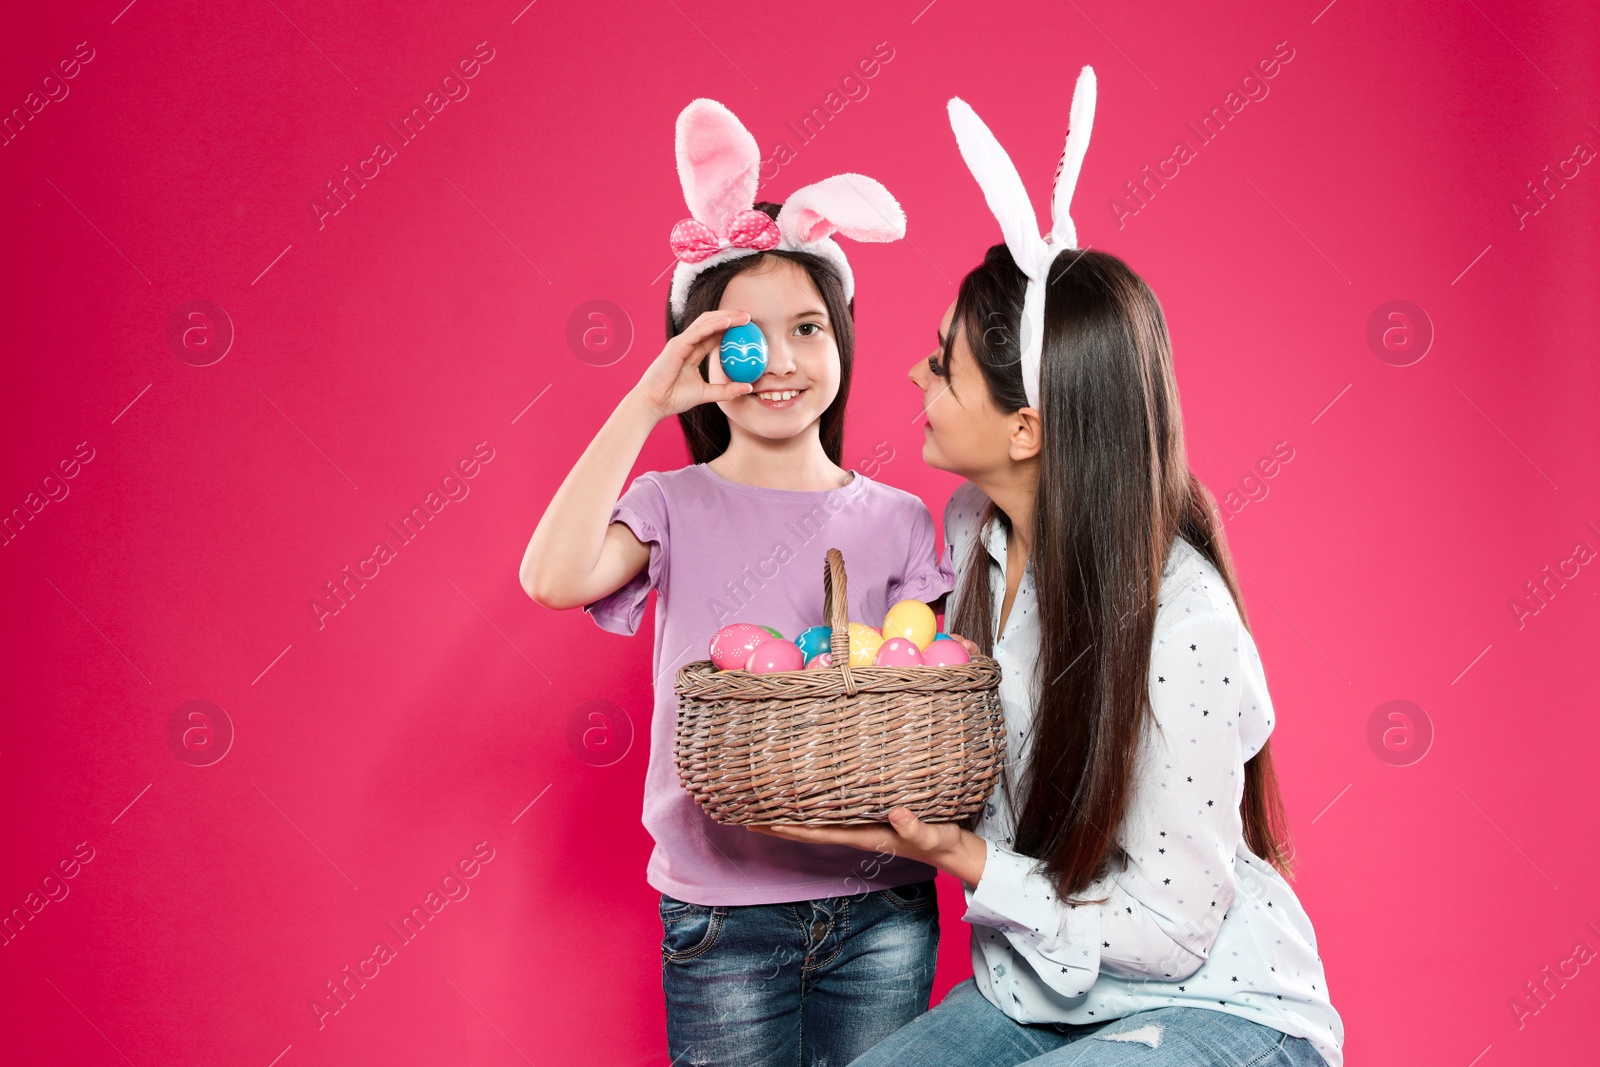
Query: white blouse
point(1196, 919)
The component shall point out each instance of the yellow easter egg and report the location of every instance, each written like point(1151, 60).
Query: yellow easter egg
point(864, 644)
point(913, 620)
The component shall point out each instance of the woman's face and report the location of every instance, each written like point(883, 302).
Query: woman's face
point(964, 432)
point(802, 354)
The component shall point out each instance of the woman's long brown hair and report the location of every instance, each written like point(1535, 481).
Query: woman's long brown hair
point(1114, 490)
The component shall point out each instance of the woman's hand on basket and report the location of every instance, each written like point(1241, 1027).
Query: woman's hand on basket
point(946, 846)
point(972, 649)
point(943, 845)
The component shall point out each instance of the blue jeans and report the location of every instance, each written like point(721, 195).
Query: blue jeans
point(815, 982)
point(965, 1030)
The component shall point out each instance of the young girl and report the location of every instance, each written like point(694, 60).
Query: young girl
point(1123, 884)
point(773, 952)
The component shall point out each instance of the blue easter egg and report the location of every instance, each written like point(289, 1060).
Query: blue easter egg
point(744, 353)
point(815, 641)
point(941, 636)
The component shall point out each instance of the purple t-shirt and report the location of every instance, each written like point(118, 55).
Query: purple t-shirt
point(723, 552)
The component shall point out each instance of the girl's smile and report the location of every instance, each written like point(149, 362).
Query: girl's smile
point(778, 399)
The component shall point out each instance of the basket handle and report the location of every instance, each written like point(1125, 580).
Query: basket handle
point(835, 612)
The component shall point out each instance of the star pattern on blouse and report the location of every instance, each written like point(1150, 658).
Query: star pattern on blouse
point(1060, 966)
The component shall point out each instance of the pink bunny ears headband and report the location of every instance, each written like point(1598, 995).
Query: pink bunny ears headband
point(718, 163)
point(1002, 188)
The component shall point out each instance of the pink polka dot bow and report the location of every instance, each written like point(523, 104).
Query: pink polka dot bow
point(693, 240)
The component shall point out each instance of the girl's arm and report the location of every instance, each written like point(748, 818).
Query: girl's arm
point(577, 555)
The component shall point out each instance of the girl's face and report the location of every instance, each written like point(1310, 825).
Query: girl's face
point(964, 432)
point(802, 375)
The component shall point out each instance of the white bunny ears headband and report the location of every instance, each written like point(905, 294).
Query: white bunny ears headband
point(1008, 199)
point(718, 163)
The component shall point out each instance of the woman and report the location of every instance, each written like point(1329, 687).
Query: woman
point(1123, 883)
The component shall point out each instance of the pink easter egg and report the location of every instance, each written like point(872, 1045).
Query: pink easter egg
point(820, 660)
point(899, 652)
point(731, 647)
point(945, 654)
point(775, 655)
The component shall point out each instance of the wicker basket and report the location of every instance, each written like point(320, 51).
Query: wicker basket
point(842, 745)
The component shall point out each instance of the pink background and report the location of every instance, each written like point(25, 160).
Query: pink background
point(372, 354)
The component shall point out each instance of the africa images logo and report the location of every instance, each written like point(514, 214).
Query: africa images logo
point(342, 190)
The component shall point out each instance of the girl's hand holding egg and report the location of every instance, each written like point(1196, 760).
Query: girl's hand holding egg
point(674, 384)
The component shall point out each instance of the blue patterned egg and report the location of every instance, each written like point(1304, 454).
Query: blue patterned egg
point(744, 353)
point(815, 641)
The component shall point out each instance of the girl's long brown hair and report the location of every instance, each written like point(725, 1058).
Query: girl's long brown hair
point(1114, 490)
point(705, 427)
